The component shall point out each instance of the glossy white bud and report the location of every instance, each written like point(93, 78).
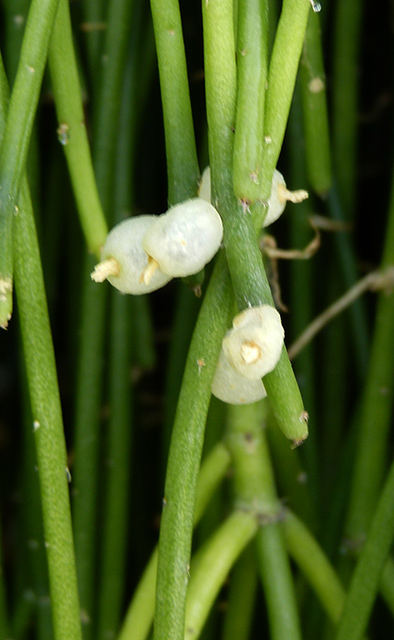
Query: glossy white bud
point(230, 386)
point(254, 345)
point(279, 196)
point(183, 240)
point(123, 258)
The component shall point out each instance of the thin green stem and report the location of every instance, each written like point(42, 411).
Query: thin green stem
point(365, 580)
point(140, 613)
point(345, 81)
point(313, 86)
point(182, 165)
point(87, 440)
point(278, 583)
point(243, 583)
point(371, 455)
point(72, 130)
point(108, 104)
point(17, 132)
point(46, 411)
point(314, 564)
point(185, 453)
point(211, 566)
point(48, 427)
point(117, 483)
point(282, 73)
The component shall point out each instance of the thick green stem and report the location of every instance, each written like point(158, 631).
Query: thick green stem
point(252, 58)
point(17, 132)
point(182, 165)
point(72, 130)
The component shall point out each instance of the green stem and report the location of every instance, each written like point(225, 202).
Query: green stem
point(302, 308)
point(117, 484)
point(371, 455)
point(211, 566)
point(243, 255)
point(314, 564)
point(17, 132)
point(252, 58)
point(185, 453)
point(108, 104)
point(345, 81)
point(278, 583)
point(140, 613)
point(313, 85)
point(243, 583)
point(255, 492)
point(87, 440)
point(282, 73)
point(46, 412)
point(72, 130)
point(182, 165)
point(365, 580)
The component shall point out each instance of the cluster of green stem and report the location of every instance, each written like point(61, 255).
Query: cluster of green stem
point(252, 54)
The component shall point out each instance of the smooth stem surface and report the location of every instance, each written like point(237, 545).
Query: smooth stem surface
point(252, 57)
point(182, 165)
point(107, 106)
point(140, 613)
point(211, 566)
point(117, 485)
point(244, 258)
point(241, 599)
point(87, 439)
point(72, 130)
point(255, 492)
point(184, 457)
point(365, 580)
point(345, 89)
point(371, 455)
point(282, 74)
point(314, 97)
point(277, 581)
point(17, 132)
point(314, 564)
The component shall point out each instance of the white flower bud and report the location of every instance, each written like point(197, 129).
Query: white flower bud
point(254, 345)
point(230, 386)
point(123, 258)
point(279, 197)
point(185, 238)
point(204, 190)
